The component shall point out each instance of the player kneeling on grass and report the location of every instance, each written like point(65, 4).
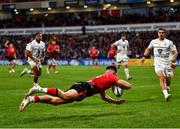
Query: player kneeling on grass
point(78, 91)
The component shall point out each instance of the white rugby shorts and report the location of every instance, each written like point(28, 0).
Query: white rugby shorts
point(52, 61)
point(121, 58)
point(33, 64)
point(167, 70)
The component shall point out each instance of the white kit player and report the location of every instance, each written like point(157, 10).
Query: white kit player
point(163, 49)
point(35, 52)
point(122, 47)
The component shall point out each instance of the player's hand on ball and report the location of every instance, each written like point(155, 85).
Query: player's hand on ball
point(120, 101)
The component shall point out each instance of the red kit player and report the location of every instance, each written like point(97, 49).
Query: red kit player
point(93, 53)
point(79, 90)
point(11, 55)
point(53, 51)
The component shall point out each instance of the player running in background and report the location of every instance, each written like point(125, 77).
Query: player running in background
point(53, 50)
point(79, 90)
point(112, 54)
point(122, 46)
point(26, 70)
point(163, 65)
point(94, 53)
point(11, 55)
point(35, 52)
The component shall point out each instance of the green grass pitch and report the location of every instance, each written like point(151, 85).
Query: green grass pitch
point(145, 106)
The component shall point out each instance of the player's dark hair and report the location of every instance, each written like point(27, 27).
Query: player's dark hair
point(111, 67)
point(37, 34)
point(123, 34)
point(162, 29)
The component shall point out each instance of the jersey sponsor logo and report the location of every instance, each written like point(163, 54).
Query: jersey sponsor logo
point(160, 51)
point(163, 56)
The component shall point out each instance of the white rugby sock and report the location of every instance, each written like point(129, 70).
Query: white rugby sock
point(165, 92)
point(29, 71)
point(126, 70)
point(35, 84)
point(43, 90)
point(40, 89)
point(31, 98)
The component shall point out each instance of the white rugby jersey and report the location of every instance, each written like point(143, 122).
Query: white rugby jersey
point(36, 48)
point(162, 50)
point(122, 46)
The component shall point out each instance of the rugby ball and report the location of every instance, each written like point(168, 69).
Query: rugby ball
point(117, 91)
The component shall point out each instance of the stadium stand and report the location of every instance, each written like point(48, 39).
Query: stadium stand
point(91, 18)
point(75, 46)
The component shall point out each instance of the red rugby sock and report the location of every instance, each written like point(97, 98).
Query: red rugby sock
point(36, 99)
point(52, 91)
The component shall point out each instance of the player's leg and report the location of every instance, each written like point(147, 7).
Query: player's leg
point(37, 72)
point(10, 65)
point(26, 71)
point(49, 66)
point(54, 64)
point(126, 69)
point(169, 72)
point(76, 92)
point(96, 61)
point(41, 99)
point(54, 68)
point(118, 60)
point(118, 65)
point(168, 82)
point(162, 78)
point(93, 61)
point(13, 65)
point(68, 95)
point(56, 97)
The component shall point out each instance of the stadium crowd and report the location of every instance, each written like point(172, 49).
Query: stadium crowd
point(10, 1)
point(88, 18)
point(76, 46)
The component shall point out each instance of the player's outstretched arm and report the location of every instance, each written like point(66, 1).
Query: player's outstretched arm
point(123, 84)
point(108, 99)
point(174, 57)
point(146, 53)
point(6, 43)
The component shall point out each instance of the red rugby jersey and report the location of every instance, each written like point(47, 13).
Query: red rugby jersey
point(52, 50)
point(104, 81)
point(93, 52)
point(10, 51)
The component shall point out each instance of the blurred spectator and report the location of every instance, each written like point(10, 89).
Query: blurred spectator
point(76, 46)
point(88, 18)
